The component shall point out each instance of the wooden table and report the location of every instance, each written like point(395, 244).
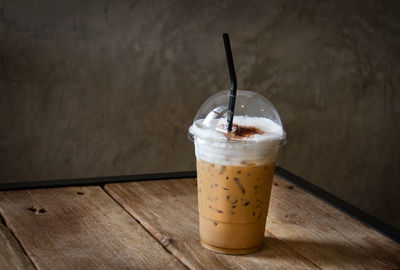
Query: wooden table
point(154, 225)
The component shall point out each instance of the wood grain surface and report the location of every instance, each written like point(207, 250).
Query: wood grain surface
point(168, 210)
point(11, 254)
point(302, 231)
point(80, 228)
point(324, 234)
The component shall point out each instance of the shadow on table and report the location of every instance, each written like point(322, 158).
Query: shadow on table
point(325, 254)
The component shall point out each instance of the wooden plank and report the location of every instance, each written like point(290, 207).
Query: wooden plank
point(324, 234)
point(11, 254)
point(168, 210)
point(80, 228)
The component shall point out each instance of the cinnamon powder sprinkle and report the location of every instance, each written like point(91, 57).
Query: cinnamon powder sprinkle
point(244, 131)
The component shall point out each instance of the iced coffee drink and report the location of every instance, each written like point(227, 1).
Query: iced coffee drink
point(234, 172)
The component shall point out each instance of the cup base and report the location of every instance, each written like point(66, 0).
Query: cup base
point(231, 251)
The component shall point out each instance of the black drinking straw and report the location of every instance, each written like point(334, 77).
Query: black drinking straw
point(232, 75)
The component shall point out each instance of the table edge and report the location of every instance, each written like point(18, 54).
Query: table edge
point(378, 225)
point(351, 210)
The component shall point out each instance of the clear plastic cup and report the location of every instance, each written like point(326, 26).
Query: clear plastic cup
point(235, 170)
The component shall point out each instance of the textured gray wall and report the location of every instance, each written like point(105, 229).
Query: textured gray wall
point(95, 88)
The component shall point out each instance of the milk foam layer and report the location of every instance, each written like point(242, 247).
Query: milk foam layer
point(214, 146)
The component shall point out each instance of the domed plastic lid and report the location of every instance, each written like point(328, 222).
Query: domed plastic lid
point(255, 119)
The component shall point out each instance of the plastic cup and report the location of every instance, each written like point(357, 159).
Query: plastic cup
point(235, 170)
